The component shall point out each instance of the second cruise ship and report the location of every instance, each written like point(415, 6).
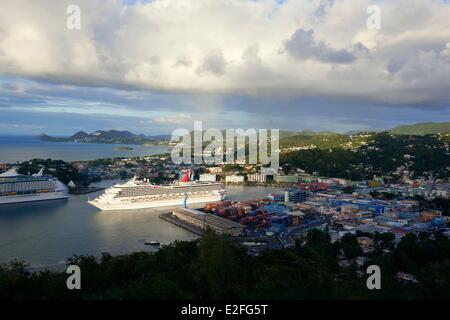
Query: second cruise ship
point(136, 194)
point(15, 187)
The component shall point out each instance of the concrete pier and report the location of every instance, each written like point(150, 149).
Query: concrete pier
point(168, 216)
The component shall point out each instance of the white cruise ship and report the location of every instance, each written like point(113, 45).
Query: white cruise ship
point(15, 188)
point(136, 194)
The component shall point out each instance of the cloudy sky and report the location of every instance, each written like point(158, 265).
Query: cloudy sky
point(152, 66)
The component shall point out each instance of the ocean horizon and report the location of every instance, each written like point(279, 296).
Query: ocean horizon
point(18, 148)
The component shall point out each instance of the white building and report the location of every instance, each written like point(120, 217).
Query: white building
point(215, 170)
point(339, 181)
point(208, 177)
point(441, 193)
point(234, 179)
point(257, 177)
point(285, 179)
point(325, 180)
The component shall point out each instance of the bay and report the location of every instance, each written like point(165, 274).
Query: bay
point(23, 148)
point(47, 233)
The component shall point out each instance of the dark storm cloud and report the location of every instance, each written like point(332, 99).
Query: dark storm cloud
point(64, 123)
point(214, 63)
point(302, 45)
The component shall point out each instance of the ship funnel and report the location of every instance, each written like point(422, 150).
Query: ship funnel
point(187, 176)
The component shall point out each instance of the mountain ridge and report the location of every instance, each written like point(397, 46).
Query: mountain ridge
point(117, 136)
point(422, 128)
point(109, 136)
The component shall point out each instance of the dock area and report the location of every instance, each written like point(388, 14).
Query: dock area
point(197, 221)
point(169, 217)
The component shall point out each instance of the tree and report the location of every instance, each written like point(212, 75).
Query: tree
point(349, 189)
point(350, 246)
point(222, 265)
point(385, 239)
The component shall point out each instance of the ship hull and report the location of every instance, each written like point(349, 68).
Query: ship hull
point(33, 197)
point(156, 204)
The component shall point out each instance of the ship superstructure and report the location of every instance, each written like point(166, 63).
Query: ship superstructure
point(136, 194)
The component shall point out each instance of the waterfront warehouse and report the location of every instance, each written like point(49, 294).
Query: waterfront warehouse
point(205, 220)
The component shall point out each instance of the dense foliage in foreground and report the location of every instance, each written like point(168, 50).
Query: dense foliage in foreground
point(214, 267)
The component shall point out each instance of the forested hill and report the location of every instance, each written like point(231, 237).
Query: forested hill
point(361, 156)
point(423, 128)
point(302, 138)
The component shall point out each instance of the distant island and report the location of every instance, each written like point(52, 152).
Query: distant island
point(111, 136)
point(123, 148)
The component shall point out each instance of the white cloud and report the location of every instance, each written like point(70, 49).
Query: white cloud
point(236, 46)
point(179, 119)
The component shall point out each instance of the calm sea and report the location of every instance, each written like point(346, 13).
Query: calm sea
point(46, 233)
point(22, 148)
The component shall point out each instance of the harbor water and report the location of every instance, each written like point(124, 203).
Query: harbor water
point(47, 233)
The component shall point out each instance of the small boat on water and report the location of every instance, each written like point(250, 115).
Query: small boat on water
point(151, 242)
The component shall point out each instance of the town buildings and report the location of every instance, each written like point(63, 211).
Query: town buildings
point(257, 177)
point(208, 177)
point(234, 179)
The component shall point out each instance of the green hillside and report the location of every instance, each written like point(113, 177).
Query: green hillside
point(423, 128)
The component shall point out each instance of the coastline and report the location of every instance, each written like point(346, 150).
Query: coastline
point(25, 148)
